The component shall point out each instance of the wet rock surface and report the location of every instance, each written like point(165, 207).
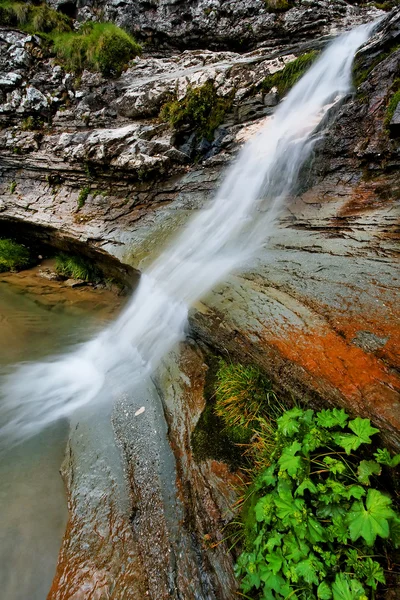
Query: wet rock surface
point(317, 309)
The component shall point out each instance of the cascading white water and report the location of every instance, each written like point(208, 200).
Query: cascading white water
point(220, 239)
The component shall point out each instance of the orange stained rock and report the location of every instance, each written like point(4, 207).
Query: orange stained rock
point(362, 379)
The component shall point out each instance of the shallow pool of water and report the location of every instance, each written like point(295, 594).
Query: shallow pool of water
point(37, 319)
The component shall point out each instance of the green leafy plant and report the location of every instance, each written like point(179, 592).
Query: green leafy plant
point(100, 47)
point(316, 523)
point(201, 110)
point(285, 79)
point(83, 196)
point(13, 256)
point(77, 267)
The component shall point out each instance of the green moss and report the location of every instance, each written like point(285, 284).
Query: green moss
point(393, 102)
point(13, 256)
point(100, 47)
point(13, 186)
point(284, 80)
point(274, 6)
point(33, 18)
point(201, 110)
point(83, 196)
point(360, 73)
point(77, 267)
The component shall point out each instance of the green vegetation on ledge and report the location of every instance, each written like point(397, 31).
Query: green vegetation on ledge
point(83, 196)
point(100, 47)
point(77, 267)
point(393, 101)
point(13, 256)
point(33, 18)
point(285, 79)
point(201, 110)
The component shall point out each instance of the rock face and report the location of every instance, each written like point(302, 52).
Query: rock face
point(317, 309)
point(216, 24)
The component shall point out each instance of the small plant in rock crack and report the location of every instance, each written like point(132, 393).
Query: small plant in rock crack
point(317, 525)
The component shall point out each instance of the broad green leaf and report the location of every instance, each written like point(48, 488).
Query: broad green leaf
point(384, 457)
point(324, 592)
point(373, 572)
point(307, 484)
point(288, 423)
point(363, 429)
point(289, 508)
point(345, 588)
point(275, 561)
point(371, 521)
point(339, 530)
point(289, 461)
point(355, 491)
point(275, 582)
point(315, 532)
point(267, 477)
point(348, 441)
point(335, 466)
point(294, 549)
point(366, 469)
point(264, 509)
point(332, 418)
point(273, 541)
point(307, 569)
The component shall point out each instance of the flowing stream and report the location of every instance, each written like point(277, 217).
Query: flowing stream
point(220, 239)
point(33, 506)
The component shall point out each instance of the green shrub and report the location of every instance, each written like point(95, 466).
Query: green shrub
point(284, 80)
point(33, 18)
point(100, 47)
point(202, 110)
point(77, 267)
point(13, 256)
point(317, 523)
point(83, 196)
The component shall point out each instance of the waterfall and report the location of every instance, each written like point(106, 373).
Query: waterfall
point(220, 239)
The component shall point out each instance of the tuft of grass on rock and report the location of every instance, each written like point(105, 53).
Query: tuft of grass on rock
point(201, 110)
point(83, 196)
point(13, 256)
point(13, 186)
point(33, 18)
point(102, 47)
point(284, 80)
point(393, 102)
point(77, 267)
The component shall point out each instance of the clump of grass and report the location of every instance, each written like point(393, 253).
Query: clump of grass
point(243, 397)
point(83, 196)
point(102, 47)
point(31, 124)
point(77, 267)
point(13, 186)
point(33, 18)
point(201, 110)
point(274, 6)
point(284, 80)
point(13, 256)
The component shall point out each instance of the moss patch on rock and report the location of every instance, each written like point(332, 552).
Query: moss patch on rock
point(285, 79)
point(201, 110)
point(276, 6)
point(13, 256)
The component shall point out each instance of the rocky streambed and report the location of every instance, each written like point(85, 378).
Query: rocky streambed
point(317, 310)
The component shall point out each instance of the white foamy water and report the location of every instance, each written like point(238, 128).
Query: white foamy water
point(220, 239)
